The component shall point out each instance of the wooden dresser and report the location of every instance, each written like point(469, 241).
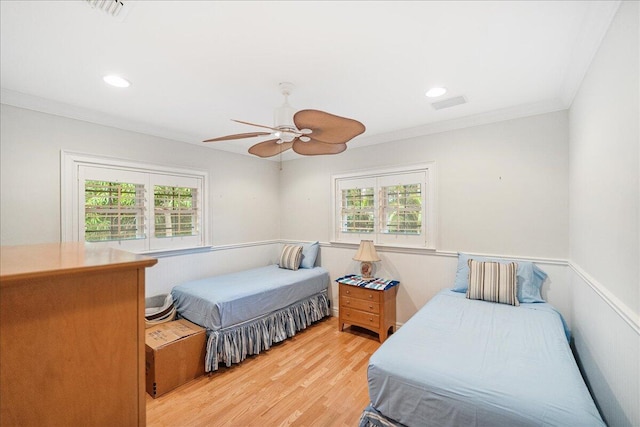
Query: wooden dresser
point(369, 308)
point(71, 336)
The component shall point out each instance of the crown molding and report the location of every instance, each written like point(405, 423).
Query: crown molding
point(30, 102)
point(43, 105)
point(510, 113)
point(592, 31)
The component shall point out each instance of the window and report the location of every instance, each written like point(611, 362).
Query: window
point(135, 207)
point(393, 207)
point(358, 209)
point(175, 211)
point(402, 209)
point(113, 211)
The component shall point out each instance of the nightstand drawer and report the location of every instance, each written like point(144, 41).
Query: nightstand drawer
point(360, 293)
point(360, 304)
point(360, 317)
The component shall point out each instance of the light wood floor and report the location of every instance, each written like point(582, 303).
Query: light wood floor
point(316, 378)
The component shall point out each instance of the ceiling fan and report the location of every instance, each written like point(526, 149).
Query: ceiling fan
point(307, 132)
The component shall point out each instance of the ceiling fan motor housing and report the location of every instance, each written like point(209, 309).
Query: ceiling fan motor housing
point(283, 115)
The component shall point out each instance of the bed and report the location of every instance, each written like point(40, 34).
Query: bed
point(468, 362)
point(246, 312)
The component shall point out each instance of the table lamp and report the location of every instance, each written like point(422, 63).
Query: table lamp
point(366, 255)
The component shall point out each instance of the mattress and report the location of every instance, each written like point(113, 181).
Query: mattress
point(222, 301)
point(464, 362)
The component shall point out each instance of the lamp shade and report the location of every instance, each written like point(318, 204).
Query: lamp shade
point(366, 252)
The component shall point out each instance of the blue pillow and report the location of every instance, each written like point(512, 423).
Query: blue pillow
point(530, 277)
point(309, 254)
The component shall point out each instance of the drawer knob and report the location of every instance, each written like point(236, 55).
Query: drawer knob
point(348, 291)
point(370, 296)
point(370, 320)
point(370, 306)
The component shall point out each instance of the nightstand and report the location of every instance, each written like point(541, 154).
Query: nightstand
point(368, 303)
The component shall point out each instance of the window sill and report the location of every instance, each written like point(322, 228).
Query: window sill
point(394, 248)
point(164, 253)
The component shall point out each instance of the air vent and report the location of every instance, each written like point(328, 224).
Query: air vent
point(115, 8)
point(451, 102)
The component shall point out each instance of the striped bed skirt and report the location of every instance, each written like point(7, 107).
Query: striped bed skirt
point(372, 418)
point(233, 344)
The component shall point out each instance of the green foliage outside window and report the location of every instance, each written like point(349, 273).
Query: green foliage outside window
point(403, 211)
point(174, 211)
point(358, 210)
point(113, 211)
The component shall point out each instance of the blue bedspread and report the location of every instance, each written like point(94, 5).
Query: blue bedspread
point(222, 301)
point(459, 362)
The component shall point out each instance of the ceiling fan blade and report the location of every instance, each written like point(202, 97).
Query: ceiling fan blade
point(269, 148)
point(314, 148)
point(327, 127)
point(253, 124)
point(237, 136)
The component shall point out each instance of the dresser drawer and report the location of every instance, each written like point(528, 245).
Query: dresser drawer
point(360, 293)
point(360, 304)
point(361, 318)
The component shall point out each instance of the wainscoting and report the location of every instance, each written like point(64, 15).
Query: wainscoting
point(607, 344)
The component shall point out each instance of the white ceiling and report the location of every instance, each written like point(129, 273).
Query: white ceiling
point(194, 65)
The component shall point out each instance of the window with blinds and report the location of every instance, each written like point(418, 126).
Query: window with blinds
point(113, 211)
point(130, 206)
point(392, 207)
point(358, 210)
point(175, 211)
point(402, 209)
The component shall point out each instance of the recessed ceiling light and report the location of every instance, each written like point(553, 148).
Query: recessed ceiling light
point(116, 81)
point(435, 92)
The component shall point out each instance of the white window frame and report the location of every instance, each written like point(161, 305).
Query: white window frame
point(72, 203)
point(428, 239)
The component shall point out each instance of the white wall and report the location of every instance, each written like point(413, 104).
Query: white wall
point(174, 270)
point(502, 189)
point(520, 166)
point(605, 220)
point(422, 276)
point(604, 163)
point(243, 197)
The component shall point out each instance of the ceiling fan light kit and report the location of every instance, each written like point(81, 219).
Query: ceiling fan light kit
point(307, 132)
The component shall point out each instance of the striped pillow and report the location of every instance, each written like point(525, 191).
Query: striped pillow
point(493, 281)
point(290, 257)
